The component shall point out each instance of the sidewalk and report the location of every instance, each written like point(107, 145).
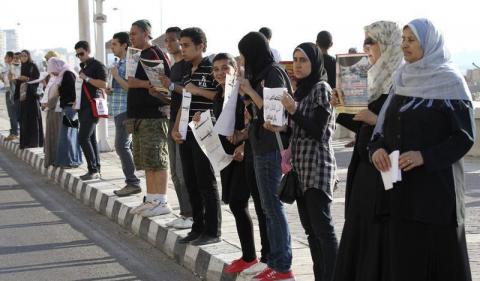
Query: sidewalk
point(208, 261)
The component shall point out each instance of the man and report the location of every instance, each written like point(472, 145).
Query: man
point(197, 171)
point(7, 78)
point(118, 109)
point(175, 85)
point(150, 125)
point(94, 79)
point(268, 34)
point(324, 42)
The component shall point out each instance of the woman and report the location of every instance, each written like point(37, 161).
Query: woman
point(31, 128)
point(312, 155)
point(68, 153)
point(54, 117)
point(429, 120)
point(260, 72)
point(360, 255)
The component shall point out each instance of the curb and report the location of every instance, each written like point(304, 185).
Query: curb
point(207, 261)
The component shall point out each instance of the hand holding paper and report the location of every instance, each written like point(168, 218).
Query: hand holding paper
point(394, 174)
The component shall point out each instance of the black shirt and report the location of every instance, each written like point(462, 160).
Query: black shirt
point(66, 90)
point(95, 70)
point(140, 104)
point(202, 77)
point(330, 64)
point(176, 77)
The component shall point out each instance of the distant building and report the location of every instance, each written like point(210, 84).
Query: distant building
point(473, 81)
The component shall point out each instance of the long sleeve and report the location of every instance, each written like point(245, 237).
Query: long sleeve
point(314, 127)
point(346, 120)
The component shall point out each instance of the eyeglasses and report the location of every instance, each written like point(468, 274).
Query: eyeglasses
point(81, 54)
point(369, 41)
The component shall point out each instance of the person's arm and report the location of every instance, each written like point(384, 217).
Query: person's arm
point(120, 80)
point(346, 120)
point(194, 90)
point(316, 126)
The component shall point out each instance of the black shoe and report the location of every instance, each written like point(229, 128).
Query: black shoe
point(127, 190)
point(90, 176)
point(189, 238)
point(205, 240)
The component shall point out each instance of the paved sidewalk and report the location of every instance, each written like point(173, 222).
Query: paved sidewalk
point(208, 261)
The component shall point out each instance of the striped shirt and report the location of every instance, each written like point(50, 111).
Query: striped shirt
point(118, 99)
point(202, 77)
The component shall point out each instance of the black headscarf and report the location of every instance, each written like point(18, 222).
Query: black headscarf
point(314, 54)
point(26, 67)
point(258, 57)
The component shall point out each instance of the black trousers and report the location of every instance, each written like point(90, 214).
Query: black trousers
point(316, 219)
point(87, 137)
point(202, 188)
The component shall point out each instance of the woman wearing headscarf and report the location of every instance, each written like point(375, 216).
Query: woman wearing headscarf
point(54, 117)
point(260, 72)
point(360, 253)
point(68, 153)
point(429, 120)
point(312, 155)
point(31, 128)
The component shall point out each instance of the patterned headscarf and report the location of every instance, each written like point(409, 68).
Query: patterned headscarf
point(389, 37)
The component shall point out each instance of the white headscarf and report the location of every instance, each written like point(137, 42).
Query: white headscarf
point(433, 76)
point(389, 37)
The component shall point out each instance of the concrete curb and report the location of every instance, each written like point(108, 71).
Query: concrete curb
point(207, 261)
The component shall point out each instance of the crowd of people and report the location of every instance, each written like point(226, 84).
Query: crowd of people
point(419, 104)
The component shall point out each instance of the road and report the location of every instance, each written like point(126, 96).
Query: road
point(45, 234)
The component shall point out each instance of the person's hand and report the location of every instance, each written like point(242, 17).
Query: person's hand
point(164, 80)
point(272, 128)
point(196, 117)
point(366, 116)
point(44, 106)
point(245, 87)
point(114, 71)
point(152, 91)
point(23, 78)
point(238, 154)
point(381, 160)
point(191, 88)
point(176, 136)
point(82, 76)
point(237, 136)
point(108, 91)
point(335, 100)
point(289, 103)
point(409, 160)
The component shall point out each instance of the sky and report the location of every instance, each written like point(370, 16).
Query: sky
point(54, 23)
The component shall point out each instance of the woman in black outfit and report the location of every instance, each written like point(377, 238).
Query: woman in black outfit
point(429, 120)
point(360, 255)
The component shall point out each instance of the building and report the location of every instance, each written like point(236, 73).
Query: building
point(473, 81)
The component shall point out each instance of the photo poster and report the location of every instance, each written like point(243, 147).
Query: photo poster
point(288, 67)
point(225, 124)
point(209, 142)
point(273, 109)
point(184, 114)
point(133, 57)
point(352, 82)
point(153, 69)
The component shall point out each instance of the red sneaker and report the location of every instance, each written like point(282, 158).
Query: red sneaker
point(239, 265)
point(262, 274)
point(278, 276)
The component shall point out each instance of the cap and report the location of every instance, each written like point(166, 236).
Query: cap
point(145, 26)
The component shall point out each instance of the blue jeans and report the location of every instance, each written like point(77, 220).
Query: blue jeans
point(12, 109)
point(123, 141)
point(268, 174)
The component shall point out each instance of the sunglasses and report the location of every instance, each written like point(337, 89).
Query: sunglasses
point(369, 41)
point(81, 54)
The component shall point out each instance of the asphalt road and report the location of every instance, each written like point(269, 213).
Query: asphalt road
point(45, 234)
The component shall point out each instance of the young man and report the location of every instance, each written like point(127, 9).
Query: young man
point(197, 171)
point(94, 79)
point(118, 109)
point(150, 125)
point(7, 79)
point(324, 42)
point(268, 34)
point(175, 84)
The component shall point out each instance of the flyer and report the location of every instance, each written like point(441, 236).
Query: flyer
point(352, 82)
point(225, 124)
point(273, 109)
point(153, 69)
point(133, 57)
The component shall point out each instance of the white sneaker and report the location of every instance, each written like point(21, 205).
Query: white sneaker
point(173, 222)
point(254, 269)
point(144, 206)
point(183, 223)
point(159, 208)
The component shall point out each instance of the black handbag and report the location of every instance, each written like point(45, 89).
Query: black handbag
point(67, 122)
point(290, 188)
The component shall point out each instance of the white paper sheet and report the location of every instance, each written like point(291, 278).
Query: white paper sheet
point(225, 124)
point(132, 59)
point(78, 93)
point(210, 142)
point(394, 174)
point(184, 114)
point(42, 77)
point(273, 109)
point(153, 69)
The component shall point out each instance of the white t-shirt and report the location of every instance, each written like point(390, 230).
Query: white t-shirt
point(276, 55)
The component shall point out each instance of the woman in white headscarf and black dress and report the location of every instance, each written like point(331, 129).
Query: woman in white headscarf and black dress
point(429, 119)
point(360, 253)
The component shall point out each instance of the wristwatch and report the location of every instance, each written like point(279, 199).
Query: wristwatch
point(88, 79)
point(171, 87)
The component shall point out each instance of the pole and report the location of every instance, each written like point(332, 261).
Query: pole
point(84, 20)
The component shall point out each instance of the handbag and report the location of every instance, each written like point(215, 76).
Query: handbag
point(98, 105)
point(290, 189)
point(69, 123)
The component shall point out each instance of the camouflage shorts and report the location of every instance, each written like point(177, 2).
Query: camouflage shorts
point(150, 148)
